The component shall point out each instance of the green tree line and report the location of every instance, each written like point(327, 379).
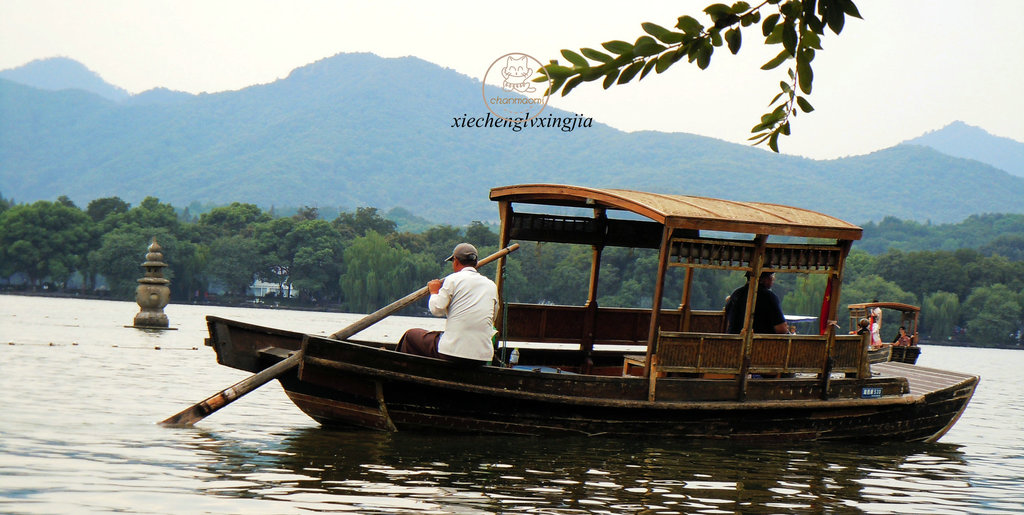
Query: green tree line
point(359, 261)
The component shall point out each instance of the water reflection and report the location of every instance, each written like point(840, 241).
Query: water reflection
point(322, 469)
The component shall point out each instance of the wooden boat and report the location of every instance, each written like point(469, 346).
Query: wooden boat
point(880, 354)
point(657, 372)
point(908, 315)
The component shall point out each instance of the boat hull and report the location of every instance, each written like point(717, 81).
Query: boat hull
point(353, 385)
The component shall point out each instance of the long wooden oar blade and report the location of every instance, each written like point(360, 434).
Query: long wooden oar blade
point(201, 410)
point(205, 408)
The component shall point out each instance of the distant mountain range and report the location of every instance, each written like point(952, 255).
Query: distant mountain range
point(961, 140)
point(57, 73)
point(360, 130)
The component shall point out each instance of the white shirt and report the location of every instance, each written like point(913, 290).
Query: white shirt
point(470, 301)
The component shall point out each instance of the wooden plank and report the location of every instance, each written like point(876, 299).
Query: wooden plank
point(922, 380)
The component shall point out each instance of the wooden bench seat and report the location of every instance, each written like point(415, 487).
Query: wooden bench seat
point(722, 355)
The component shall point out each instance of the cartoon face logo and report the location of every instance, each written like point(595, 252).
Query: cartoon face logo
point(512, 93)
point(517, 73)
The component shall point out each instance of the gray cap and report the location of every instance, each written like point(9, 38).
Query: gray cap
point(464, 252)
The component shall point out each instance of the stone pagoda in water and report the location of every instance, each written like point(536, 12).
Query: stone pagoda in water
point(153, 294)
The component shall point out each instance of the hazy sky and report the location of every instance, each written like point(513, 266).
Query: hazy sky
point(909, 67)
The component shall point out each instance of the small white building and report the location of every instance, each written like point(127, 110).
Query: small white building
point(261, 289)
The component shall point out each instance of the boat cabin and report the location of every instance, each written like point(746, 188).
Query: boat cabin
point(688, 233)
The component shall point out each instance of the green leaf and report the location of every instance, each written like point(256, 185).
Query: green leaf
point(655, 30)
point(591, 74)
point(618, 47)
point(777, 60)
point(692, 49)
point(554, 70)
point(773, 142)
point(646, 46)
point(808, 39)
point(664, 61)
point(834, 17)
point(596, 55)
point(733, 38)
point(555, 84)
point(739, 7)
point(689, 25)
point(575, 58)
point(813, 23)
point(573, 82)
point(804, 74)
point(609, 79)
point(630, 72)
point(644, 40)
point(717, 10)
point(769, 24)
point(805, 106)
point(789, 38)
point(716, 37)
point(704, 56)
point(664, 35)
point(761, 136)
point(648, 67)
point(849, 8)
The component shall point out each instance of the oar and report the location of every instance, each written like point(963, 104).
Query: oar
point(201, 410)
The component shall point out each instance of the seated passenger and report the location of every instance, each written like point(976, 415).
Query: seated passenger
point(902, 339)
point(862, 326)
point(768, 316)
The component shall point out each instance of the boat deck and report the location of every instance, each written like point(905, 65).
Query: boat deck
point(922, 380)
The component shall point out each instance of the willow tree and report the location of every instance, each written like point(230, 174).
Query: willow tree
point(940, 313)
point(376, 273)
point(797, 25)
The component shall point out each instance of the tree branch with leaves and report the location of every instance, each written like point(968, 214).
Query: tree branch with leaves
point(797, 25)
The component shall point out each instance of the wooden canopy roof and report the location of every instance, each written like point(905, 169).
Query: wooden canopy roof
point(688, 212)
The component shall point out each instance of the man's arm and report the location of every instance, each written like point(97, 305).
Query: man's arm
point(439, 297)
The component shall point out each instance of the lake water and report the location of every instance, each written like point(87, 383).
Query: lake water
point(81, 395)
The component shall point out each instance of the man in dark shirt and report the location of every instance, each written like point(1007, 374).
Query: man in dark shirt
point(768, 317)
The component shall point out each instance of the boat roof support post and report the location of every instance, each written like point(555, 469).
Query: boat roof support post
point(505, 211)
point(595, 261)
point(836, 277)
point(684, 306)
point(590, 308)
point(659, 287)
point(756, 264)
